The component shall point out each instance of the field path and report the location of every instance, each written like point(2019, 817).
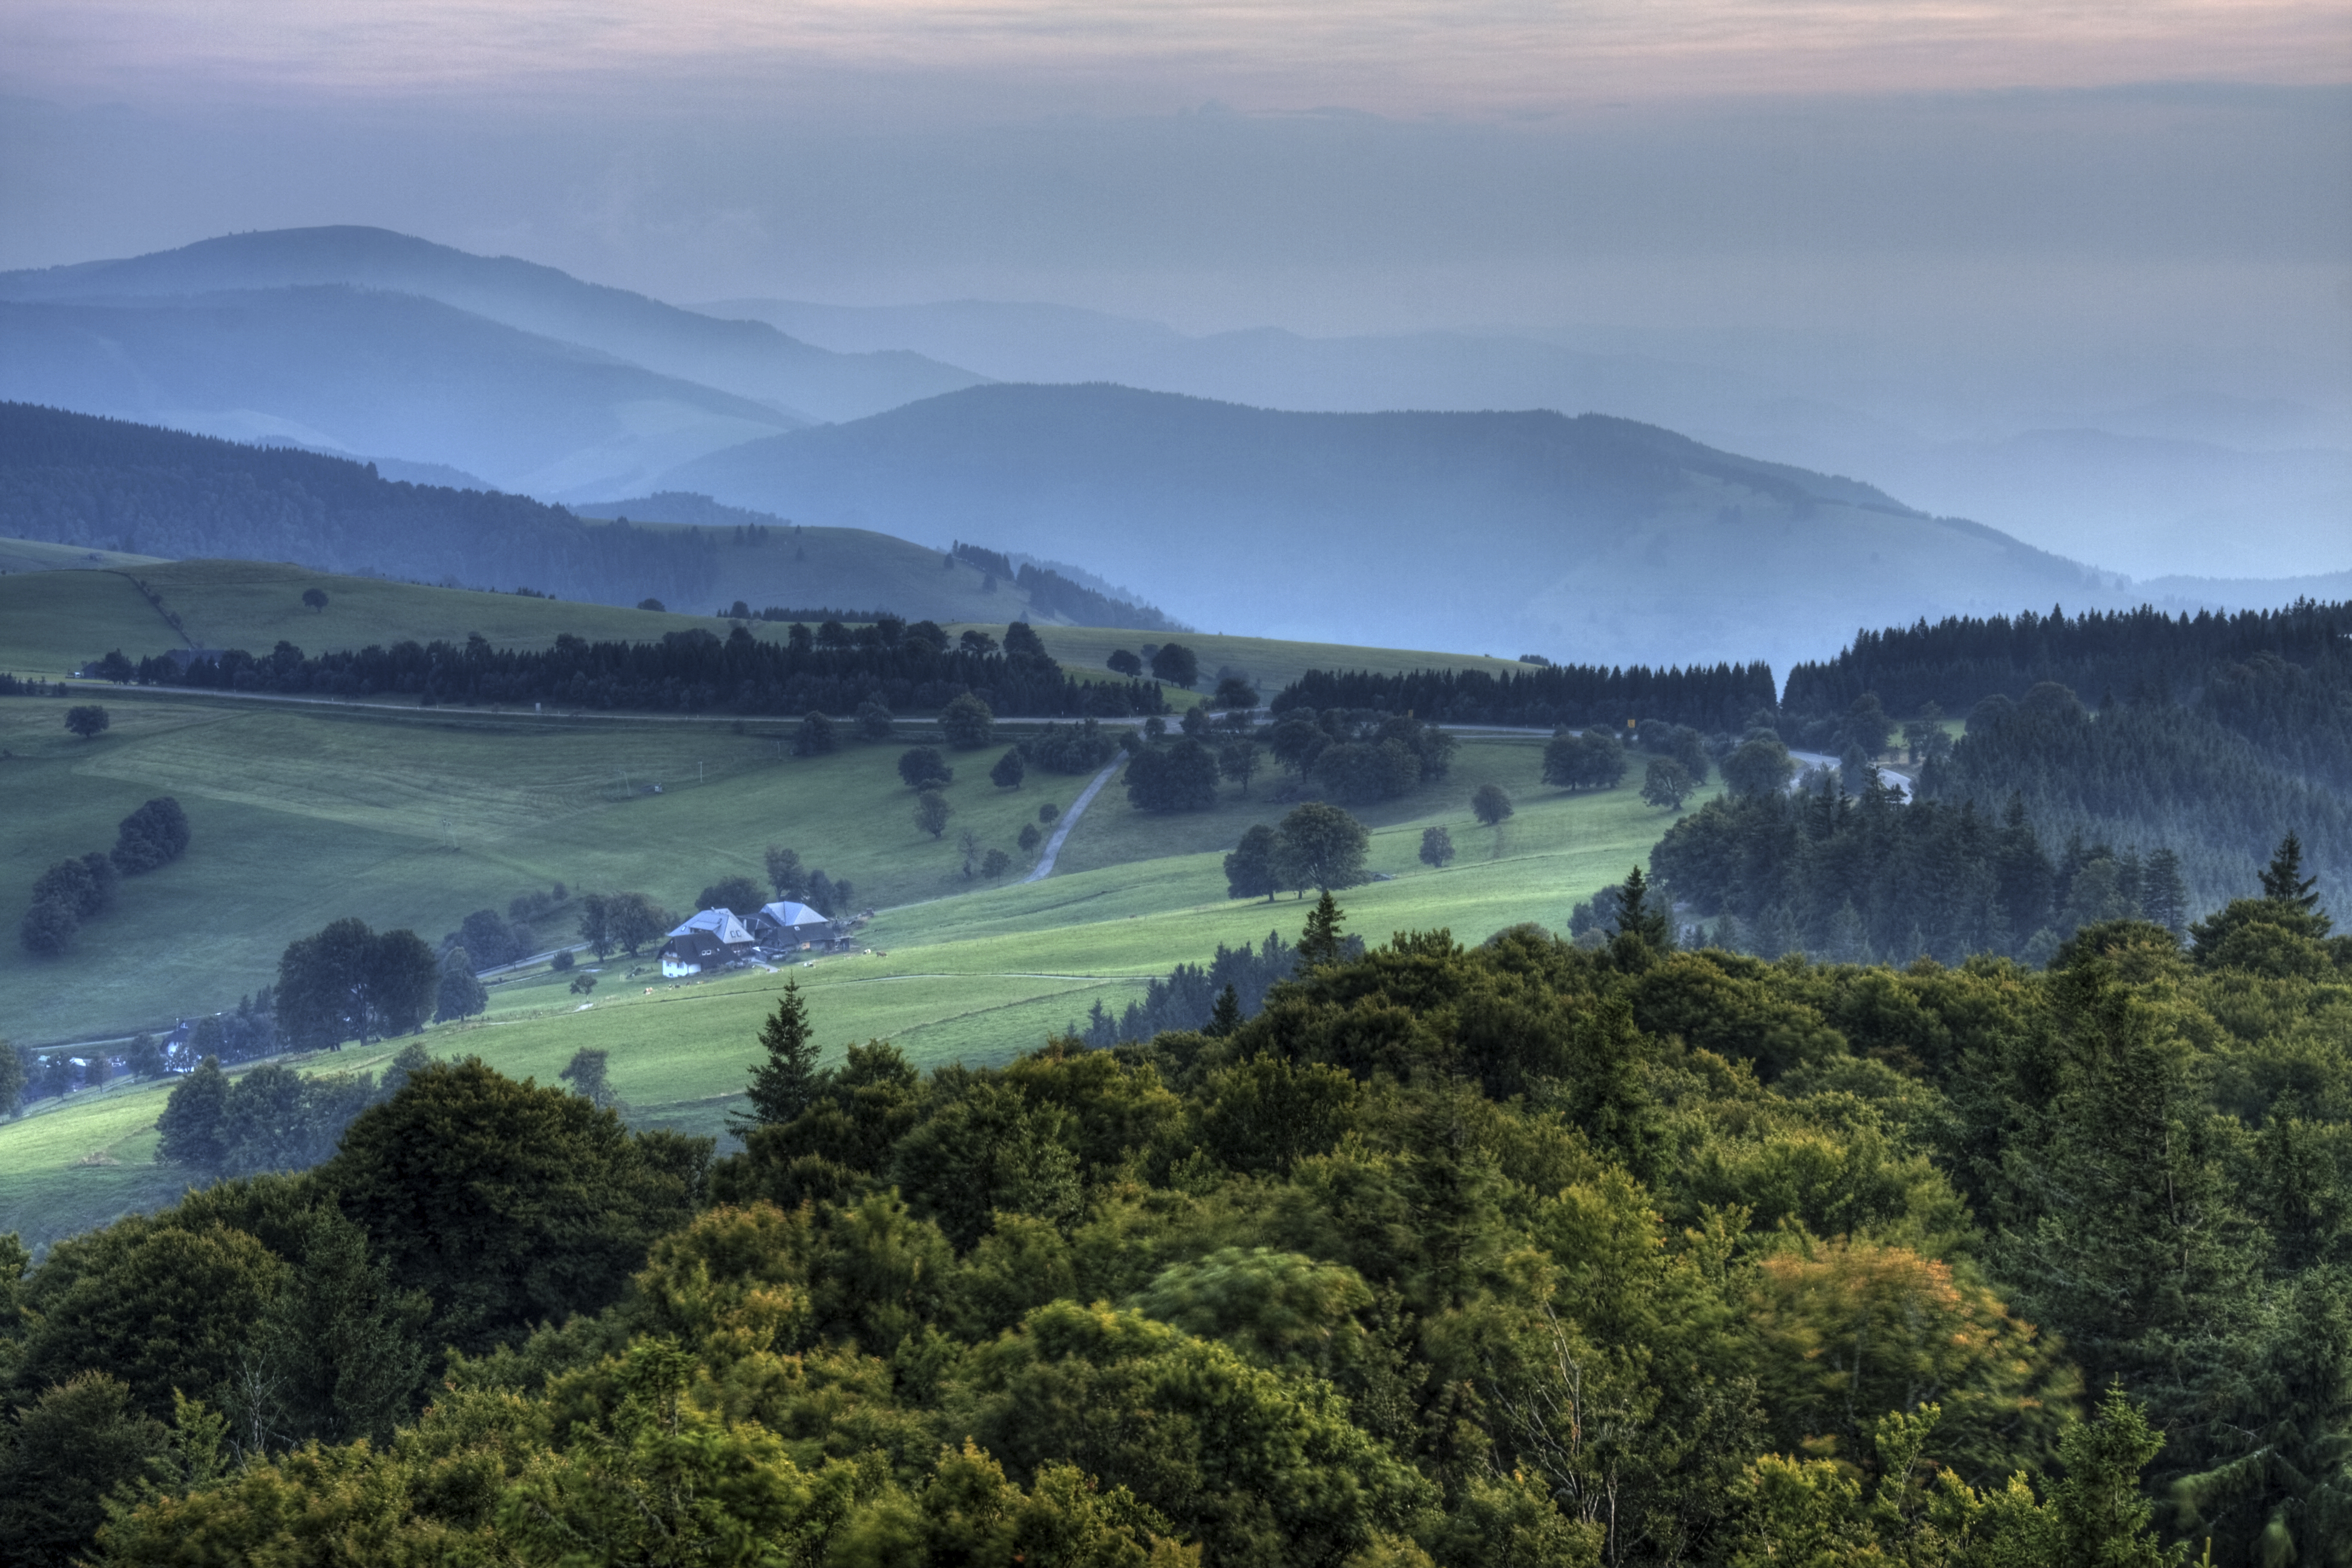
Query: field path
point(1070, 819)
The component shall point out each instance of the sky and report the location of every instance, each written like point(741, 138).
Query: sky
point(2034, 197)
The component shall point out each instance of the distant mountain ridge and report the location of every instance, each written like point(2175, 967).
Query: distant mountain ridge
point(1595, 539)
point(361, 371)
point(750, 358)
point(372, 343)
point(2191, 483)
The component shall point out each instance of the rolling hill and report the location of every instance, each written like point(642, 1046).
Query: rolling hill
point(748, 359)
point(1592, 538)
point(362, 372)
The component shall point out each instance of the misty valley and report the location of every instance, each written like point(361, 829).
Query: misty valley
point(814, 935)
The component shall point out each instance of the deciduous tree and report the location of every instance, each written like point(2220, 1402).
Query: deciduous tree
point(967, 722)
point(933, 811)
point(87, 721)
point(1436, 848)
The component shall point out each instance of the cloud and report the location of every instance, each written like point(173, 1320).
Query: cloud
point(1483, 57)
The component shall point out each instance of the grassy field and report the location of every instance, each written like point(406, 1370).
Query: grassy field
point(39, 555)
point(975, 977)
point(56, 616)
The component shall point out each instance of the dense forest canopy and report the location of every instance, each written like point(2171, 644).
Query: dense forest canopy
point(1961, 660)
point(1523, 1254)
point(1717, 699)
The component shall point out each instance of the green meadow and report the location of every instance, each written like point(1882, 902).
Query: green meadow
point(305, 812)
point(301, 818)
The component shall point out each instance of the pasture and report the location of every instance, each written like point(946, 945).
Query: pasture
point(959, 970)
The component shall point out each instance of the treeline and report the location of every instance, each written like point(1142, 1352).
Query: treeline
point(2119, 654)
point(2151, 772)
point(108, 484)
point(1721, 699)
point(1515, 1254)
point(887, 663)
point(81, 888)
point(1050, 592)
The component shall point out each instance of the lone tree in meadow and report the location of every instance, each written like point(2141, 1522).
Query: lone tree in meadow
point(1030, 837)
point(1436, 848)
point(1010, 770)
point(817, 737)
point(1123, 662)
point(1666, 785)
point(967, 722)
point(1176, 664)
point(316, 598)
point(1491, 805)
point(587, 1073)
point(922, 767)
point(995, 864)
point(89, 721)
point(786, 1083)
point(933, 811)
point(1321, 846)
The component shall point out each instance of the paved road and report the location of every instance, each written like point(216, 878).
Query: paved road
point(1809, 759)
point(1070, 819)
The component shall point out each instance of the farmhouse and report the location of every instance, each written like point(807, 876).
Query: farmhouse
point(711, 939)
point(785, 923)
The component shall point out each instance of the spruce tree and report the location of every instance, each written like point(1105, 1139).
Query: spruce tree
point(1226, 1016)
point(785, 1084)
point(1319, 944)
point(2283, 879)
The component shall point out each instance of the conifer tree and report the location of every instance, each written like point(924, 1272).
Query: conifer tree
point(2283, 879)
point(785, 1084)
point(1226, 1016)
point(1319, 944)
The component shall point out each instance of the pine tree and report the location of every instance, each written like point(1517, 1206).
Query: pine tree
point(1645, 929)
point(1319, 944)
point(786, 1083)
point(1227, 1015)
point(2283, 879)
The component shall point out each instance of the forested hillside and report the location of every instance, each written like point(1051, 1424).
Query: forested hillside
point(74, 479)
point(1519, 1254)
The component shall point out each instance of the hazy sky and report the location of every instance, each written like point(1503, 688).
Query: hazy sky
point(2094, 188)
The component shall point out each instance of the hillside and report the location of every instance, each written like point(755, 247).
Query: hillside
point(68, 478)
point(364, 373)
point(1592, 539)
point(82, 490)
